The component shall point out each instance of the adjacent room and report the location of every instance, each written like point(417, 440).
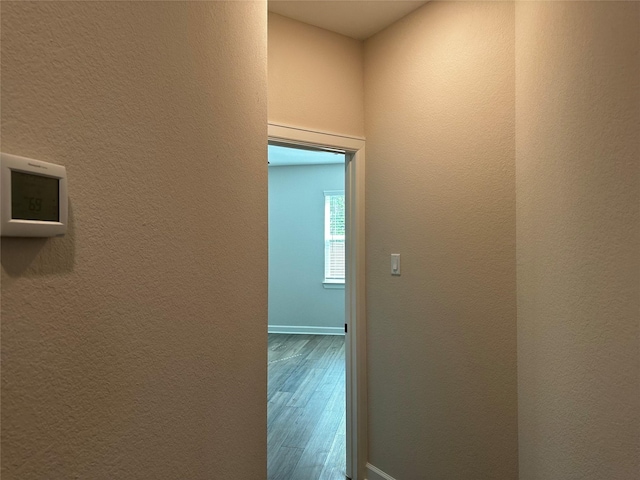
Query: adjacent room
point(306, 386)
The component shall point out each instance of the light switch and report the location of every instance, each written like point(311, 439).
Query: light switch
point(395, 264)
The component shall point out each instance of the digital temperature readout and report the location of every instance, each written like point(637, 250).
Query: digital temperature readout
point(34, 197)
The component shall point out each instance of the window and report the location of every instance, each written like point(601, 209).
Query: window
point(334, 238)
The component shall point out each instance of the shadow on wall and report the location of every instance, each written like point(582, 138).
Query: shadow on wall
point(34, 257)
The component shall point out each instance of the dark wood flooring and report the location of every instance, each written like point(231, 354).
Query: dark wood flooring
point(306, 407)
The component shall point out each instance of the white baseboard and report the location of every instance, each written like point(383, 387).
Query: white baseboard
point(374, 473)
point(306, 330)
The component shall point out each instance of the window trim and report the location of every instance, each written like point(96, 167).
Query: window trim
point(332, 282)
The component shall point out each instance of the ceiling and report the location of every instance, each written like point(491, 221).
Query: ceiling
point(280, 156)
point(359, 19)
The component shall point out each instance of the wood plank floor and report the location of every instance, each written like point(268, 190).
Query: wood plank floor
point(306, 407)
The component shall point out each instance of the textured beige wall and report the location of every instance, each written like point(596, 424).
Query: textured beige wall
point(578, 236)
point(439, 115)
point(315, 78)
point(134, 347)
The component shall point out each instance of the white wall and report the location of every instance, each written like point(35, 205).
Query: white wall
point(578, 211)
point(440, 190)
point(315, 78)
point(134, 347)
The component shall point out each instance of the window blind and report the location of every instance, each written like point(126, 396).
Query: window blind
point(334, 236)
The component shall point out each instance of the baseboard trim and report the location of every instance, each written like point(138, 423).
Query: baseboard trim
point(292, 330)
point(374, 473)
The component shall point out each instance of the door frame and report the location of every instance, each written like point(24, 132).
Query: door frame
point(355, 320)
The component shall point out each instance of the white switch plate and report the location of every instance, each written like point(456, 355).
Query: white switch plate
point(395, 264)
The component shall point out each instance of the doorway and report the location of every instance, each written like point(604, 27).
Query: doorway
point(354, 400)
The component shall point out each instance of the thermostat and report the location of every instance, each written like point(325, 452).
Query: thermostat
point(33, 198)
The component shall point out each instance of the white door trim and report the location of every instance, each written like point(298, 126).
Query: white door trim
point(355, 338)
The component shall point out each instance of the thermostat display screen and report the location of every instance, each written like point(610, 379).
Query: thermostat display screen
point(34, 197)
